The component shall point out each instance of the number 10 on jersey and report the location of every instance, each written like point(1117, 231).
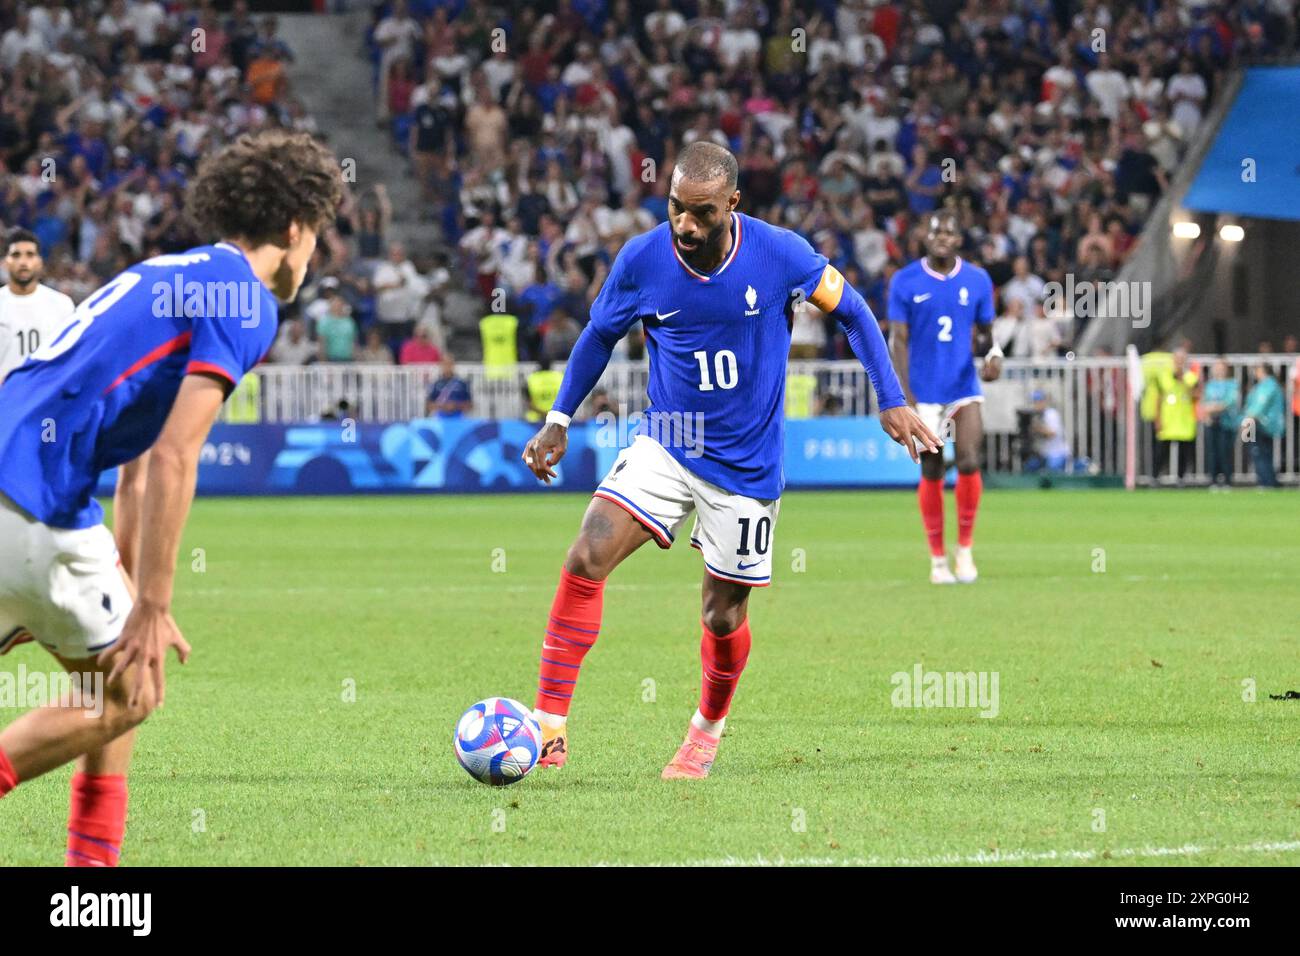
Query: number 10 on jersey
point(724, 369)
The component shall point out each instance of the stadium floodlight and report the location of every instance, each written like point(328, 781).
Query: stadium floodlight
point(1231, 233)
point(1186, 230)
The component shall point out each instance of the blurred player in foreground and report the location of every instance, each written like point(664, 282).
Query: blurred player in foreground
point(714, 290)
point(143, 364)
point(30, 313)
point(940, 316)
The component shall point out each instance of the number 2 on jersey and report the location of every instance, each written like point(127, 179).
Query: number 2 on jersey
point(945, 328)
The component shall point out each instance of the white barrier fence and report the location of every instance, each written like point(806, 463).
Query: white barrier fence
point(1091, 395)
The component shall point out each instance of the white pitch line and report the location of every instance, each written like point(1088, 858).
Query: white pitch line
point(997, 857)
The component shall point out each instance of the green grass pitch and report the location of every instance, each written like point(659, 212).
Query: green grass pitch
point(1124, 630)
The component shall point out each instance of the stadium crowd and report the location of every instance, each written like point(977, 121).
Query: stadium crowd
point(106, 110)
point(542, 134)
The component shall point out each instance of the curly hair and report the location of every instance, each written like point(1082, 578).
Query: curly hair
point(257, 185)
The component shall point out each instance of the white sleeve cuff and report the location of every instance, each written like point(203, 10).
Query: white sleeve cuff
point(995, 352)
point(558, 418)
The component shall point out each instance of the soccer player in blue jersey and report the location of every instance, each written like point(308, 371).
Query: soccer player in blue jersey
point(940, 317)
point(142, 366)
point(714, 290)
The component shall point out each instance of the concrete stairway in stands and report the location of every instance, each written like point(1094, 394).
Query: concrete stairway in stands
point(334, 78)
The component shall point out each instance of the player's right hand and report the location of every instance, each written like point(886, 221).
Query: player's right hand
point(905, 426)
point(545, 449)
point(148, 632)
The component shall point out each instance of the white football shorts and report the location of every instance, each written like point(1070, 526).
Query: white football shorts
point(732, 532)
point(936, 415)
point(62, 588)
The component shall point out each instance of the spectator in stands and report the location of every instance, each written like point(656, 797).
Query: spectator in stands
point(395, 36)
point(397, 293)
point(541, 387)
point(560, 337)
point(486, 126)
point(631, 347)
point(1221, 410)
point(373, 219)
point(1051, 450)
point(292, 346)
point(486, 246)
point(1178, 389)
point(1043, 337)
point(449, 396)
point(266, 76)
point(419, 349)
point(1108, 87)
point(1024, 286)
point(1262, 424)
point(1011, 329)
point(1187, 92)
point(336, 330)
point(375, 351)
point(538, 303)
point(600, 403)
point(808, 331)
point(430, 135)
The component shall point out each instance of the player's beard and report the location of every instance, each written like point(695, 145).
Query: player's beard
point(709, 251)
point(21, 285)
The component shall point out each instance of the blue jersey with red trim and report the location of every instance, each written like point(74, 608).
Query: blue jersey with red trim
point(718, 345)
point(940, 312)
point(98, 394)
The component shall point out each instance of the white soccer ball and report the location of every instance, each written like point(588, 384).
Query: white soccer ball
point(497, 741)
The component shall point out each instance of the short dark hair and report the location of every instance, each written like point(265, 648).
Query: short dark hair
point(703, 162)
point(19, 234)
point(259, 184)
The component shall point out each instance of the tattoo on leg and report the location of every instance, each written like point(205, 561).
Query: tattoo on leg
point(598, 527)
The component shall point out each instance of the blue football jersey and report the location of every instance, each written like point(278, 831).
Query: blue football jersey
point(717, 346)
point(98, 394)
point(940, 312)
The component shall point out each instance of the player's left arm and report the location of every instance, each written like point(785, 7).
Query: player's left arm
point(836, 297)
point(169, 491)
point(222, 350)
point(982, 335)
point(612, 314)
point(128, 507)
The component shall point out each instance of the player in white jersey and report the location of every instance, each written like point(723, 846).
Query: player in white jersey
point(30, 313)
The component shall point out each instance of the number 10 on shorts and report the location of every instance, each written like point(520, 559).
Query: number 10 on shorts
point(762, 536)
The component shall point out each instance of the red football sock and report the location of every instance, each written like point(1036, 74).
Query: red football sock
point(8, 778)
point(97, 820)
point(572, 629)
point(969, 487)
point(929, 494)
point(724, 660)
